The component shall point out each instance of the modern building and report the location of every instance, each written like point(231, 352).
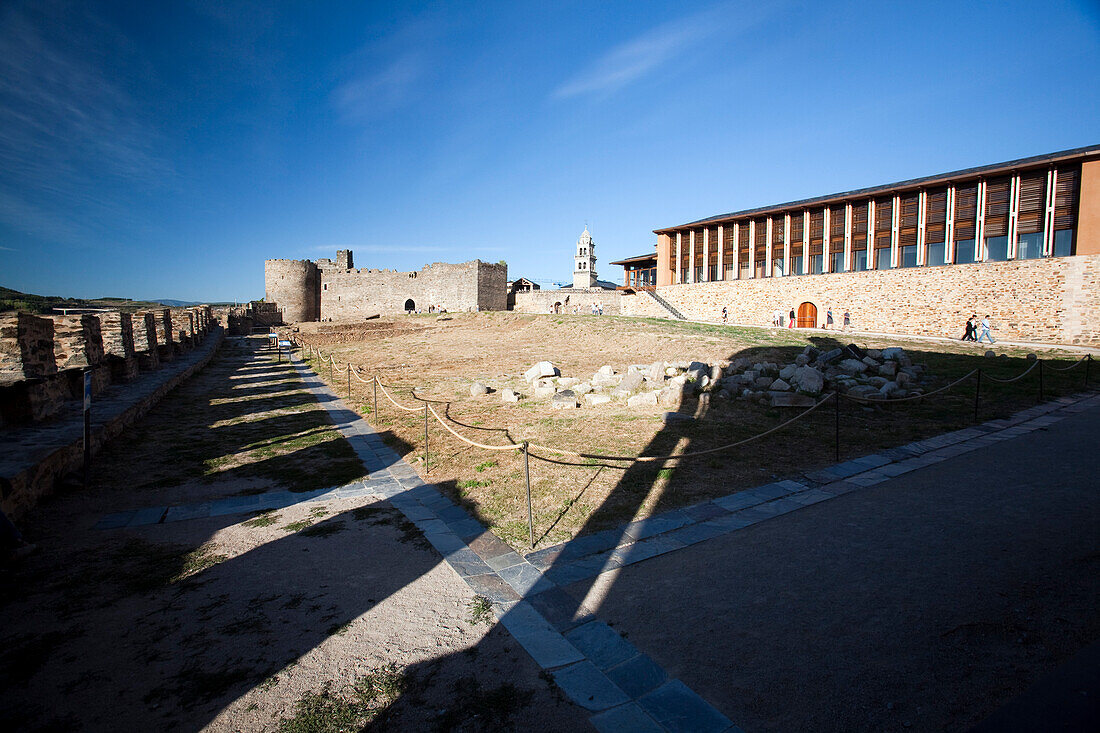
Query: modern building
point(639, 271)
point(1022, 209)
point(1029, 228)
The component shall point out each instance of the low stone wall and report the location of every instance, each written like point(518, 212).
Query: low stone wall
point(1054, 300)
point(541, 301)
point(33, 459)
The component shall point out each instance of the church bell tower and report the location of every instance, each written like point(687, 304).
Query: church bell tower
point(584, 262)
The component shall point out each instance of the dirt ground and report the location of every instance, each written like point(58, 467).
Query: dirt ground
point(440, 357)
point(319, 614)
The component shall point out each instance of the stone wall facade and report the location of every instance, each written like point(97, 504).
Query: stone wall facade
point(359, 293)
point(542, 301)
point(333, 291)
point(642, 305)
point(1052, 300)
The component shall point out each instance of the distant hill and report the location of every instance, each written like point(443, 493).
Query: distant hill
point(13, 300)
point(176, 303)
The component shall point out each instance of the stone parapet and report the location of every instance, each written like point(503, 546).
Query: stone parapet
point(1053, 300)
point(26, 347)
point(565, 299)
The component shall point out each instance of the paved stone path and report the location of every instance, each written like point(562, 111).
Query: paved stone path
point(625, 689)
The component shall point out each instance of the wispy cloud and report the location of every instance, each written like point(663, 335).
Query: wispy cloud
point(69, 134)
point(644, 54)
point(386, 73)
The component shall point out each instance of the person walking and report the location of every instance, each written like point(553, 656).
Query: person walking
point(791, 323)
point(985, 326)
point(847, 320)
point(725, 314)
point(829, 318)
point(971, 329)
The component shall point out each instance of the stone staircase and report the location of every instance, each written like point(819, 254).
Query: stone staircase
point(665, 305)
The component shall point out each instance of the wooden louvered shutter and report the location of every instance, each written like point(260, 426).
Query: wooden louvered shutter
point(1033, 194)
point(996, 206)
point(884, 212)
point(817, 224)
point(760, 250)
point(685, 255)
point(743, 245)
point(935, 216)
point(859, 227)
point(836, 229)
point(1065, 198)
point(907, 220)
point(777, 237)
point(966, 211)
point(714, 245)
point(729, 247)
point(796, 234)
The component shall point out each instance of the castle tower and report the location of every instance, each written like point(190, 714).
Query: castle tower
point(296, 286)
point(584, 262)
point(344, 259)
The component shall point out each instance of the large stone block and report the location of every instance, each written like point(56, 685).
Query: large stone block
point(26, 347)
point(78, 341)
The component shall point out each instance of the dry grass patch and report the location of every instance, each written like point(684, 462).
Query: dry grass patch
point(440, 359)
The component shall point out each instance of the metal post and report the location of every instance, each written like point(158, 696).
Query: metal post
point(977, 394)
point(87, 423)
point(1088, 363)
point(836, 426)
point(530, 513)
point(349, 381)
point(376, 396)
point(1040, 380)
point(332, 371)
point(425, 437)
point(279, 350)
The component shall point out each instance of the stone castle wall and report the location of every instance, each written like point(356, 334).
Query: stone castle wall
point(43, 358)
point(1050, 300)
point(296, 286)
point(540, 301)
point(359, 293)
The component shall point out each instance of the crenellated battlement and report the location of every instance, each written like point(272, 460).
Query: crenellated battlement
point(43, 358)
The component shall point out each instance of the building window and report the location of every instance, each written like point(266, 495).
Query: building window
point(1029, 246)
point(777, 267)
point(859, 260)
point(815, 264)
point(796, 265)
point(964, 251)
point(882, 258)
point(836, 263)
point(698, 273)
point(713, 272)
point(325, 286)
point(996, 249)
point(1063, 243)
point(935, 253)
point(908, 256)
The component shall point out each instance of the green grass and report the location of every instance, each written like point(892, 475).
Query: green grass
point(484, 466)
point(350, 709)
point(298, 526)
point(263, 520)
point(480, 611)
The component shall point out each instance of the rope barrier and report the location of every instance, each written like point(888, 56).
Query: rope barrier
point(1017, 377)
point(1074, 365)
point(914, 397)
point(677, 456)
point(514, 446)
point(397, 404)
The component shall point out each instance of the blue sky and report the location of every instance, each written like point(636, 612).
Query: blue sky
point(164, 150)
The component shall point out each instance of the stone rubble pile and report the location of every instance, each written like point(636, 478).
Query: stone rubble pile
point(873, 374)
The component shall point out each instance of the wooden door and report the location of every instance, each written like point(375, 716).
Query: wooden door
point(807, 316)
